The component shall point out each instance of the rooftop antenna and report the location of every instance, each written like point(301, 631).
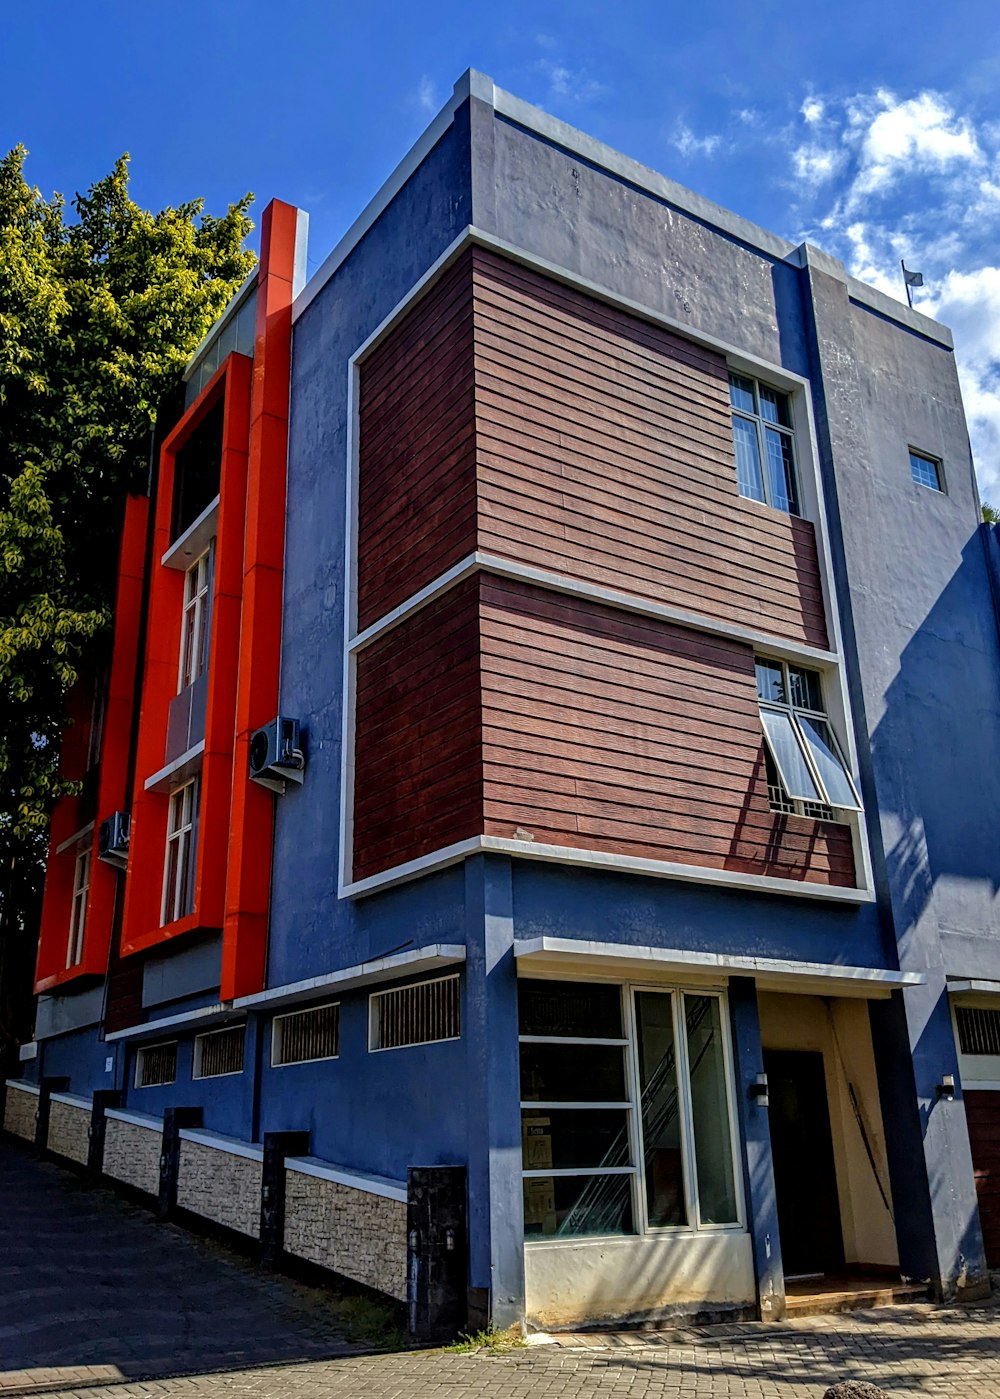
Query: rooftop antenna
point(910, 280)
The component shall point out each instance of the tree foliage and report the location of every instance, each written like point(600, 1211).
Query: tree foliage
point(99, 311)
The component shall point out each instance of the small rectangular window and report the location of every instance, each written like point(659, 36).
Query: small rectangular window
point(925, 471)
point(422, 1013)
point(219, 1052)
point(306, 1035)
point(764, 444)
point(78, 909)
point(978, 1030)
point(194, 625)
point(156, 1064)
point(179, 860)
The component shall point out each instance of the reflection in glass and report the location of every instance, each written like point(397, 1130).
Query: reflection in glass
point(568, 1138)
point(568, 1073)
point(796, 778)
point(661, 1124)
point(780, 471)
point(770, 681)
point(748, 477)
point(575, 1206)
point(713, 1148)
point(741, 393)
point(829, 764)
point(567, 1008)
point(805, 688)
point(774, 407)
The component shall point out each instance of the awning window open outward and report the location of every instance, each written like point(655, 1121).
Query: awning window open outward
point(808, 758)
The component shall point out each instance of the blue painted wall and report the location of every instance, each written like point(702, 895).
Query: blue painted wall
point(227, 1101)
point(80, 1056)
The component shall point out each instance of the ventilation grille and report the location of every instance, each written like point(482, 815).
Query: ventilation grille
point(978, 1030)
point(219, 1053)
point(157, 1064)
point(308, 1034)
point(418, 1014)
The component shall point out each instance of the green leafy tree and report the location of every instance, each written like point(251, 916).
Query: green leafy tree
point(990, 514)
point(99, 312)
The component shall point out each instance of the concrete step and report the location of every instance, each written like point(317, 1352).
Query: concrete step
point(827, 1298)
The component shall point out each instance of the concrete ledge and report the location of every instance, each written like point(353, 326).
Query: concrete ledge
point(72, 1100)
point(356, 1180)
point(24, 1087)
point(217, 1142)
point(135, 1119)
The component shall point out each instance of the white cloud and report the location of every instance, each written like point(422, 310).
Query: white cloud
point(813, 110)
point(749, 116)
point(815, 165)
point(427, 99)
point(685, 141)
point(897, 137)
point(572, 84)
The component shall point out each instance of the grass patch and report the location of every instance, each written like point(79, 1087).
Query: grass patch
point(492, 1340)
point(374, 1323)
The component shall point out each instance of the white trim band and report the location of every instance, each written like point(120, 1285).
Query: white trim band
point(153, 1029)
point(23, 1087)
point(200, 1136)
point(355, 1180)
point(135, 1119)
point(71, 1100)
point(175, 773)
point(415, 961)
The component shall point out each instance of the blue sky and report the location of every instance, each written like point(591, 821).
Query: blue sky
point(871, 128)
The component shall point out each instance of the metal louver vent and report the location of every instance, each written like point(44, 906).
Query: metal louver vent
point(418, 1014)
point(157, 1064)
point(306, 1035)
point(978, 1030)
point(220, 1052)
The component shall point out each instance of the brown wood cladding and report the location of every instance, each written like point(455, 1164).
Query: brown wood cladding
point(503, 707)
point(605, 451)
point(605, 731)
point(417, 461)
point(982, 1112)
point(418, 781)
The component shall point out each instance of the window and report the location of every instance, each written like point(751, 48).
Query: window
point(306, 1035)
point(194, 628)
point(626, 1110)
point(806, 771)
point(78, 909)
point(419, 1014)
point(156, 1064)
point(925, 471)
point(178, 868)
point(978, 1030)
point(220, 1052)
point(762, 434)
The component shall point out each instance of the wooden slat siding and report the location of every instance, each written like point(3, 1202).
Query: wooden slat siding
point(418, 736)
point(417, 475)
point(605, 451)
point(616, 733)
point(982, 1112)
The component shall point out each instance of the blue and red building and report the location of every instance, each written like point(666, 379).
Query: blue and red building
point(540, 801)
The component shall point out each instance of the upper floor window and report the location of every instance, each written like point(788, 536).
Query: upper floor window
point(78, 909)
point(179, 861)
point(762, 433)
point(194, 629)
point(925, 471)
point(806, 771)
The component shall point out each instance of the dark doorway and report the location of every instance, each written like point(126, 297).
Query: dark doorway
point(805, 1179)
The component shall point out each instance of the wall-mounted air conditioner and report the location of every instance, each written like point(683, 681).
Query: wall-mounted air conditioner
point(276, 756)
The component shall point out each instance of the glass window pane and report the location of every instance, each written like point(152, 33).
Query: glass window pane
point(748, 478)
point(572, 1073)
point(925, 472)
point(781, 471)
point(829, 763)
point(569, 1008)
point(774, 407)
point(660, 1108)
point(575, 1206)
point(564, 1138)
point(783, 739)
point(805, 689)
point(713, 1147)
point(741, 393)
point(771, 682)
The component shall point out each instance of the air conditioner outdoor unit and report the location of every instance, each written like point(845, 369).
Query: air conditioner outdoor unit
point(112, 839)
point(276, 756)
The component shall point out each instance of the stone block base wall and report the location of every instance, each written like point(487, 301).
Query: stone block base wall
point(20, 1111)
point(220, 1186)
point(132, 1153)
point(360, 1235)
point(69, 1129)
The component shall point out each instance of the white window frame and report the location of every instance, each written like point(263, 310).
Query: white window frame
point(802, 806)
point(172, 904)
point(145, 1049)
point(633, 1108)
point(194, 621)
point(78, 907)
point(199, 1045)
point(935, 462)
point(761, 425)
point(375, 1048)
point(277, 1031)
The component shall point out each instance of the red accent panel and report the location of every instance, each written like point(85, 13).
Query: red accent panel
point(111, 792)
point(251, 816)
point(141, 923)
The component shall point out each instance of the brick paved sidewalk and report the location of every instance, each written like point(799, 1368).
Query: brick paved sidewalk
point(90, 1282)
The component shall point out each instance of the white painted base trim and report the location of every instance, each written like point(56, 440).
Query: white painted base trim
point(231, 1145)
point(153, 1029)
point(357, 1180)
point(771, 973)
point(72, 1100)
point(415, 960)
point(599, 859)
point(135, 1119)
point(23, 1087)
